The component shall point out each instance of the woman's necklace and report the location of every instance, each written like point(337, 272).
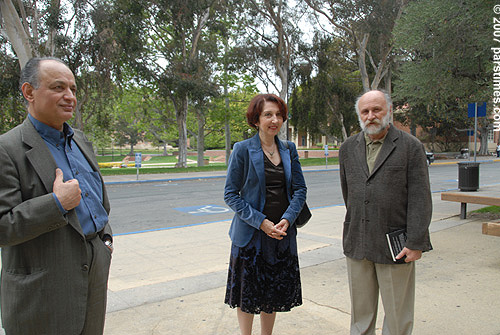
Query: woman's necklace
point(267, 148)
point(271, 153)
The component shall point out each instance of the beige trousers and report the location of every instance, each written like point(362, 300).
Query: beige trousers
point(396, 284)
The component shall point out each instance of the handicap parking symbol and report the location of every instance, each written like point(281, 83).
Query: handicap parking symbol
point(203, 210)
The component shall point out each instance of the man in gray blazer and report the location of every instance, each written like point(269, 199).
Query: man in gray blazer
point(385, 184)
point(54, 233)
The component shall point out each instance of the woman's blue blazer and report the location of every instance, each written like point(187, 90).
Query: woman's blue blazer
point(245, 190)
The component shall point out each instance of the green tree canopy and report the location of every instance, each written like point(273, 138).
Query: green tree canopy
point(445, 62)
point(323, 104)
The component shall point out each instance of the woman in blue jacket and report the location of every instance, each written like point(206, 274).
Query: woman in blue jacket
point(266, 190)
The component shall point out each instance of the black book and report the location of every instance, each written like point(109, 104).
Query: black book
point(396, 241)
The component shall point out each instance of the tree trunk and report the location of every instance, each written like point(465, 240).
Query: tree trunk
point(201, 137)
point(483, 140)
point(388, 89)
point(15, 32)
point(388, 80)
point(381, 69)
point(344, 131)
point(165, 149)
point(78, 120)
point(50, 45)
point(365, 80)
point(181, 116)
point(283, 133)
point(227, 128)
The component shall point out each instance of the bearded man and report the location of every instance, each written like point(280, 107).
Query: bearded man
point(385, 185)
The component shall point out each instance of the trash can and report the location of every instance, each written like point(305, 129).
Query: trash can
point(468, 176)
point(306, 154)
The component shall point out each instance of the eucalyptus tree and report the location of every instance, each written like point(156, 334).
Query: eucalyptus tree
point(272, 35)
point(323, 103)
point(155, 115)
point(130, 121)
point(21, 24)
point(175, 51)
point(231, 69)
point(228, 110)
point(202, 108)
point(445, 47)
point(272, 38)
point(76, 32)
point(12, 111)
point(214, 115)
point(367, 26)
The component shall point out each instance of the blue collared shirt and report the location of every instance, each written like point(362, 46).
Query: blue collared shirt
point(91, 213)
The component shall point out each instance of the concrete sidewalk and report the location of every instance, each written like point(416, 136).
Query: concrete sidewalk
point(173, 281)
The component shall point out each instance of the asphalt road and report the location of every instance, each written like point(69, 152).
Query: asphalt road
point(163, 205)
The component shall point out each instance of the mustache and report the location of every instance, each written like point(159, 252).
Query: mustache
point(373, 122)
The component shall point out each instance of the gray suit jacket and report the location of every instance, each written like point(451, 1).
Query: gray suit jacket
point(395, 195)
point(44, 281)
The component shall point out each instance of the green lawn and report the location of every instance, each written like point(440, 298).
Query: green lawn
point(318, 161)
point(211, 167)
point(489, 209)
point(154, 159)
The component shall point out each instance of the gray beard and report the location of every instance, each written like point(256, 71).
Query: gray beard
point(375, 129)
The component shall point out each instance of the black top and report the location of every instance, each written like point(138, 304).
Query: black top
point(276, 199)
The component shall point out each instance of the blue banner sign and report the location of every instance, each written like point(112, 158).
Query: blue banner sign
point(481, 109)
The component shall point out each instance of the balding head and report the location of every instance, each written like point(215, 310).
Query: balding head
point(374, 109)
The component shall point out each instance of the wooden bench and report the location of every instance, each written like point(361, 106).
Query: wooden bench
point(465, 198)
point(489, 228)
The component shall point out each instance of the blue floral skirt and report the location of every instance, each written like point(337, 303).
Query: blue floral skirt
point(264, 275)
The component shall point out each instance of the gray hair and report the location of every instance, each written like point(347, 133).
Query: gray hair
point(388, 100)
point(30, 72)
